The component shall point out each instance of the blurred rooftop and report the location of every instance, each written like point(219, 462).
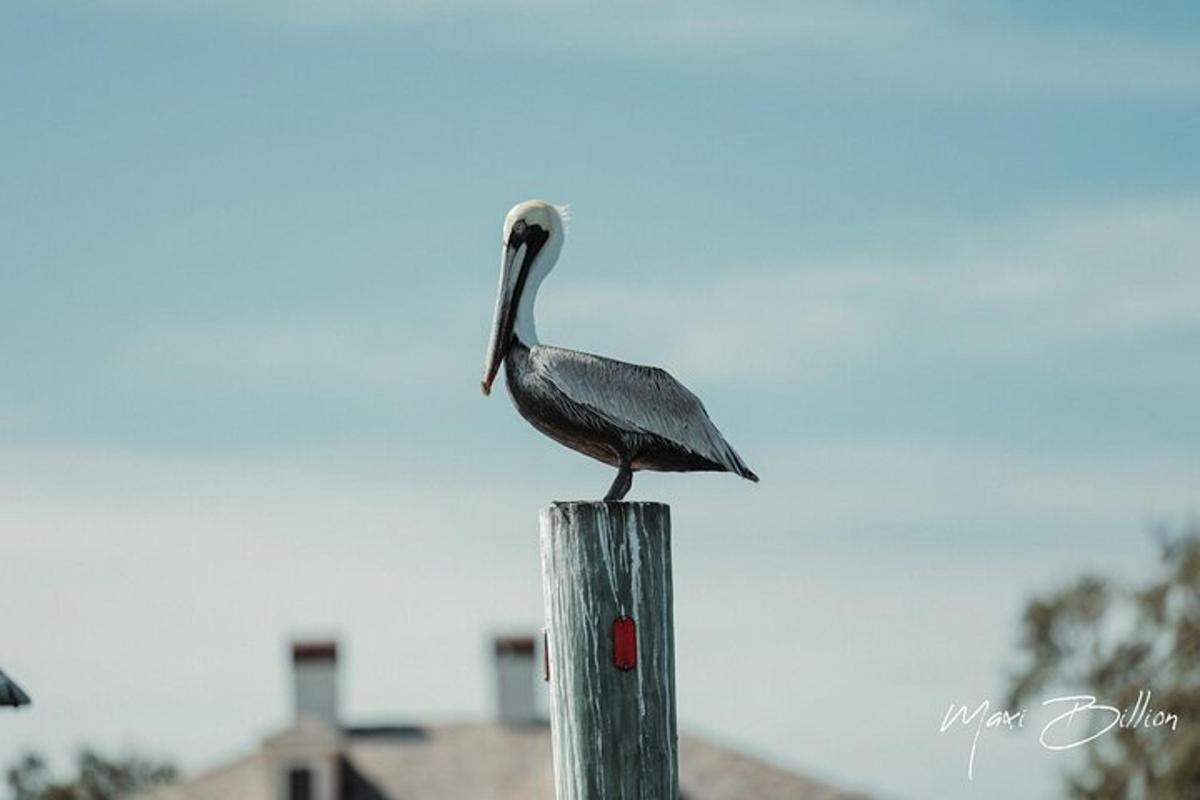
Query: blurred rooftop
point(319, 757)
point(483, 760)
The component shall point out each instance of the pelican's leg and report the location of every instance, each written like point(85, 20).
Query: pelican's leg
point(621, 485)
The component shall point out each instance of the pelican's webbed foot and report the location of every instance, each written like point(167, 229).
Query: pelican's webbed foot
point(620, 486)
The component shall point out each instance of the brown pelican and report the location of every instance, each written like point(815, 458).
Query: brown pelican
point(628, 416)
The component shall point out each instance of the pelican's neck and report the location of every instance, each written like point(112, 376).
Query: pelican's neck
point(523, 325)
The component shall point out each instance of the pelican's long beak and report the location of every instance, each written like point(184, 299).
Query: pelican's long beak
point(507, 297)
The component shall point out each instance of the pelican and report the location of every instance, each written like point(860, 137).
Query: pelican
point(628, 416)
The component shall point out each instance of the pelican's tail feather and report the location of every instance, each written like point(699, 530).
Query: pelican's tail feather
point(744, 470)
point(734, 463)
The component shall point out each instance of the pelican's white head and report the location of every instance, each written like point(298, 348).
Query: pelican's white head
point(530, 243)
point(547, 216)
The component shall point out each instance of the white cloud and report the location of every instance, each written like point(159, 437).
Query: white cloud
point(933, 48)
point(981, 496)
point(314, 352)
point(1080, 278)
point(1073, 279)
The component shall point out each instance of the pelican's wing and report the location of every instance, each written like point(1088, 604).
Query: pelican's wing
point(638, 399)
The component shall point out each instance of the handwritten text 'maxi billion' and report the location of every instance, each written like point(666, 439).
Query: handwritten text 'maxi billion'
point(1083, 720)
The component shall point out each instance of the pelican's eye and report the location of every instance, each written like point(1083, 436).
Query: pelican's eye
point(518, 228)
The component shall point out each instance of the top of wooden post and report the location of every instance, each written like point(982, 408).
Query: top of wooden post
point(601, 504)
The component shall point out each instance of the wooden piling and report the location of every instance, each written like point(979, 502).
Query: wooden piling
point(606, 577)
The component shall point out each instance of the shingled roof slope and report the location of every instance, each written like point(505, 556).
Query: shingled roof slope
point(489, 761)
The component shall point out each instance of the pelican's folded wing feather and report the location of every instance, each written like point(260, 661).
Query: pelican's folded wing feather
point(641, 400)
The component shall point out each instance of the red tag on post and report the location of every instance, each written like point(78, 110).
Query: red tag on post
point(624, 635)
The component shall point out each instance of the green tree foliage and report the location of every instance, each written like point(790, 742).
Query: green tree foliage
point(99, 778)
point(1109, 640)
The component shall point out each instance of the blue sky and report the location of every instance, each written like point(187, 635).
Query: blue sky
point(932, 266)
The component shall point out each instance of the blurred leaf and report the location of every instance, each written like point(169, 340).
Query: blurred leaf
point(98, 778)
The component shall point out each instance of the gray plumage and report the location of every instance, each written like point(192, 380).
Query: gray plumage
point(625, 415)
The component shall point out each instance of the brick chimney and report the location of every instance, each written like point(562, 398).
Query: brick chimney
point(520, 697)
point(314, 680)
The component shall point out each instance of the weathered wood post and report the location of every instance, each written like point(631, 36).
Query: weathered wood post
point(606, 576)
